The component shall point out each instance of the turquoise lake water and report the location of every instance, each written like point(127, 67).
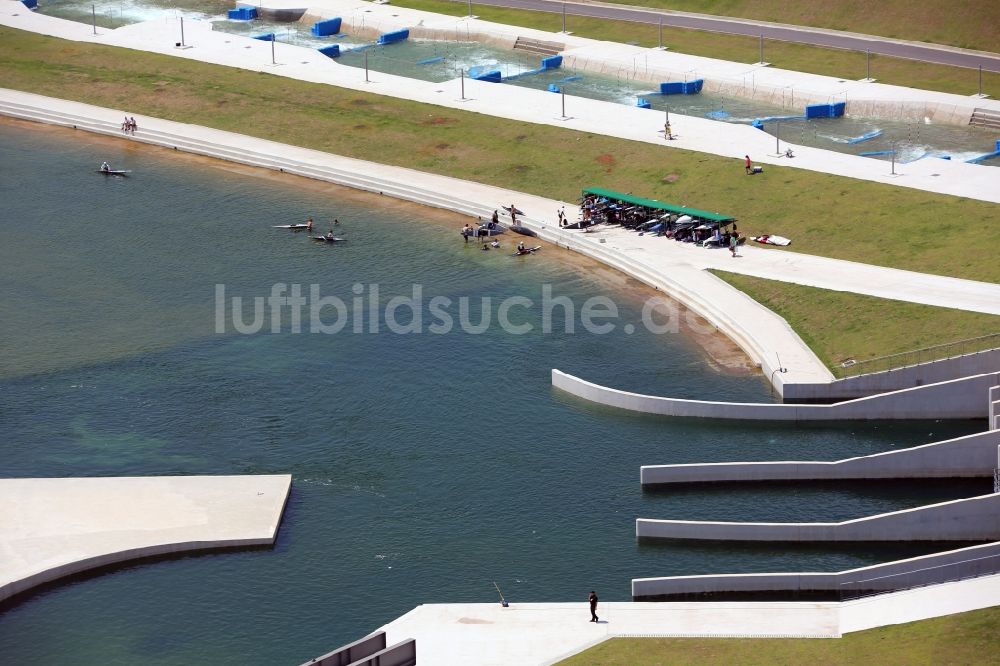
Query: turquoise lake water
point(425, 466)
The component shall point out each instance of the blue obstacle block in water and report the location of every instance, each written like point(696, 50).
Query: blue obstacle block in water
point(721, 114)
point(552, 62)
point(554, 88)
point(672, 88)
point(571, 77)
point(430, 61)
point(331, 51)
point(242, 14)
point(326, 28)
point(485, 73)
point(758, 123)
point(874, 153)
point(30, 4)
point(693, 87)
point(825, 110)
point(394, 36)
point(266, 37)
point(643, 103)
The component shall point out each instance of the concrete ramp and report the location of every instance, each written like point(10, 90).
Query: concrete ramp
point(50, 528)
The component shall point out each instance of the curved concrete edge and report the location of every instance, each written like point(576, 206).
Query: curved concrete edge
point(969, 456)
point(52, 528)
point(683, 284)
point(971, 519)
point(958, 564)
point(964, 398)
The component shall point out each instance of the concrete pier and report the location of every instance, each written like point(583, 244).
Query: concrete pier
point(50, 528)
point(972, 519)
point(969, 456)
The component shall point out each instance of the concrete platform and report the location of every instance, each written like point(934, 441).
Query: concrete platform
point(527, 634)
point(50, 528)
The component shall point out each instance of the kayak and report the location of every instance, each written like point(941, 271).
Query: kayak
point(517, 211)
point(527, 250)
point(324, 239)
point(768, 239)
point(524, 231)
point(115, 172)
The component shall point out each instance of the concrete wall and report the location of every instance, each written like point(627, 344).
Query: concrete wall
point(973, 519)
point(893, 380)
point(969, 456)
point(951, 565)
point(961, 398)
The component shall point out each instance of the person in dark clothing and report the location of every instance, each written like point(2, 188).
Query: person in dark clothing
point(593, 606)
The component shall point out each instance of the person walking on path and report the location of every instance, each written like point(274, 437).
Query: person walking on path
point(734, 241)
point(749, 165)
point(593, 606)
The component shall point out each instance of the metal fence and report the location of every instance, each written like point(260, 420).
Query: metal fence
point(853, 368)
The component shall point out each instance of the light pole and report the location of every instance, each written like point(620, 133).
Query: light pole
point(93, 14)
point(564, 17)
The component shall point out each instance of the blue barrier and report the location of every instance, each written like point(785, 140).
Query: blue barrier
point(484, 73)
point(552, 62)
point(759, 122)
point(326, 28)
point(266, 37)
point(394, 36)
point(30, 4)
point(643, 103)
point(332, 51)
point(554, 88)
point(682, 87)
point(825, 110)
point(721, 114)
point(867, 136)
point(429, 61)
point(873, 153)
point(984, 157)
point(571, 77)
point(242, 14)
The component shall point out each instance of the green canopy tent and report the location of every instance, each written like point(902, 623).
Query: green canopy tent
point(611, 195)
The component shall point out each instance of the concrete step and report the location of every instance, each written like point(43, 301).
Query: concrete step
point(538, 46)
point(985, 118)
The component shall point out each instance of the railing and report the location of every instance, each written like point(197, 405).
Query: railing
point(975, 567)
point(852, 368)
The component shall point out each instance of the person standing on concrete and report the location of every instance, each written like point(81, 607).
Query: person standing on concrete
point(749, 165)
point(734, 241)
point(593, 606)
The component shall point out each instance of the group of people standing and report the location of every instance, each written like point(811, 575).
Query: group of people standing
point(129, 126)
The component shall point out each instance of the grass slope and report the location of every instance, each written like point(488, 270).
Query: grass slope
point(964, 638)
point(797, 57)
point(838, 325)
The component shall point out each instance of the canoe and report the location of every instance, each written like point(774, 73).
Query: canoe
point(524, 231)
point(324, 239)
point(293, 227)
point(115, 172)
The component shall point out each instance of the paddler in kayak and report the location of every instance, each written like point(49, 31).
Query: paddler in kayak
point(105, 167)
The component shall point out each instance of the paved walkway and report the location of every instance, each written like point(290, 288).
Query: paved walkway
point(698, 134)
point(50, 528)
point(488, 635)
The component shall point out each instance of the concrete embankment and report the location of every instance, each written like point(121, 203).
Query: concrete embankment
point(973, 519)
point(50, 528)
point(960, 564)
point(970, 456)
point(967, 397)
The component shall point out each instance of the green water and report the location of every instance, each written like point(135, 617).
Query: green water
point(425, 466)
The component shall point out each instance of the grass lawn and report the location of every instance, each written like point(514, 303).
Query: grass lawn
point(965, 638)
point(838, 325)
point(799, 57)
